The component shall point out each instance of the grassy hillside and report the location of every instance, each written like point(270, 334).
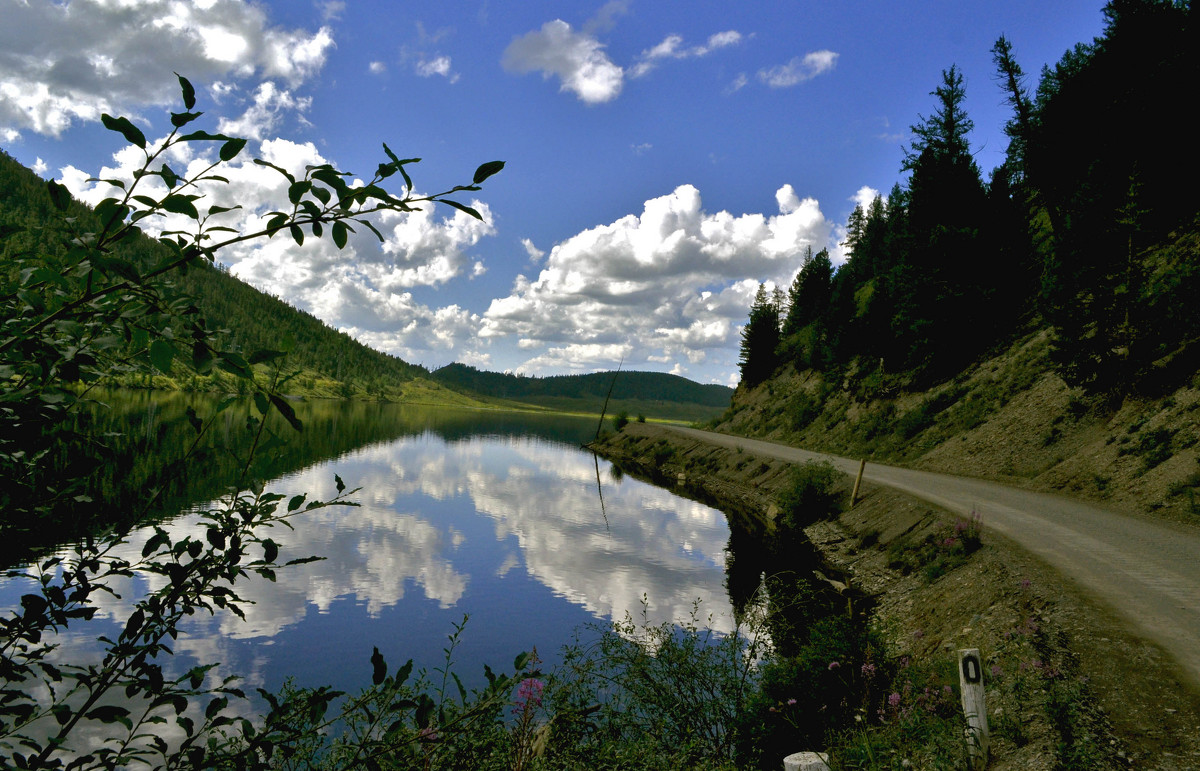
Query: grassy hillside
point(326, 362)
point(1008, 417)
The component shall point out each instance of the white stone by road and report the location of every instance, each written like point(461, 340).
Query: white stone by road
point(1147, 571)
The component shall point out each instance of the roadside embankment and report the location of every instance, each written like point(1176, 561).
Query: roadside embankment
point(1068, 685)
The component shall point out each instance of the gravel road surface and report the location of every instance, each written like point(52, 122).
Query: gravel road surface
point(1147, 571)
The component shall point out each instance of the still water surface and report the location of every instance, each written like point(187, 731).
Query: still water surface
point(491, 516)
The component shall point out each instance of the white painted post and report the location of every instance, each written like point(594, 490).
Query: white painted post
point(857, 481)
point(806, 761)
point(970, 680)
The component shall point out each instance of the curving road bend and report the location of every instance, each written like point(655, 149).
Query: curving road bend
point(1147, 571)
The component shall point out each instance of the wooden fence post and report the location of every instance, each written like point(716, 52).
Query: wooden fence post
point(970, 680)
point(857, 482)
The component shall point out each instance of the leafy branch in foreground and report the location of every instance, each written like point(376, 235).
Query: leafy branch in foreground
point(82, 309)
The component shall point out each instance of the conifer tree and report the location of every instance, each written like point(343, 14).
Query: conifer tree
point(760, 339)
point(943, 284)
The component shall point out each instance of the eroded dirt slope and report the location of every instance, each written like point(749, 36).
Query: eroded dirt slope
point(1052, 643)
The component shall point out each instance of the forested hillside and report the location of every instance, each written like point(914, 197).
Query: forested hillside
point(647, 386)
point(30, 225)
point(1088, 228)
point(653, 394)
point(1041, 327)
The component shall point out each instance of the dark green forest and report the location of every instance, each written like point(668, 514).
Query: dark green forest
point(1089, 227)
point(643, 386)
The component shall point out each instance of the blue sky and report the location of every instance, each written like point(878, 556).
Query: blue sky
point(663, 157)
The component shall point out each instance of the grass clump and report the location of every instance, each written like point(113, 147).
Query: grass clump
point(938, 553)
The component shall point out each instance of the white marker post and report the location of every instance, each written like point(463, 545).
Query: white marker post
point(970, 680)
point(806, 761)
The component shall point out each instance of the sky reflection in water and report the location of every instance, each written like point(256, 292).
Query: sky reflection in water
point(507, 530)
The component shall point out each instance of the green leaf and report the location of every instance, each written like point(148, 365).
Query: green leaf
point(268, 164)
point(404, 671)
point(231, 148)
point(258, 357)
point(297, 235)
point(341, 486)
point(261, 402)
point(169, 176)
point(215, 706)
point(297, 190)
point(161, 355)
point(189, 93)
point(276, 223)
point(202, 357)
point(159, 538)
point(132, 133)
point(110, 713)
point(111, 212)
point(487, 170)
point(296, 502)
point(372, 228)
point(339, 234)
point(202, 135)
point(234, 364)
point(60, 196)
point(181, 119)
point(378, 667)
point(286, 411)
point(194, 419)
point(181, 204)
point(461, 207)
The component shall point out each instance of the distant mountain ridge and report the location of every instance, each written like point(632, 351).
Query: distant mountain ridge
point(633, 390)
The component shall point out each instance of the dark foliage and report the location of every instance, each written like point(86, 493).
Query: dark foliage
point(1088, 226)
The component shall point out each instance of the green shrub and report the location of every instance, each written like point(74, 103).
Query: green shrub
point(809, 495)
point(620, 420)
point(650, 696)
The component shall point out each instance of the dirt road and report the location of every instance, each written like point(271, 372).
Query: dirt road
point(1145, 570)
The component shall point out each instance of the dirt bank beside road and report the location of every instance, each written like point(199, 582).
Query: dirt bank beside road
point(1066, 665)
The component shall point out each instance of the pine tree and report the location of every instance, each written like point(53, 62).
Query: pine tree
point(808, 305)
point(941, 288)
point(760, 339)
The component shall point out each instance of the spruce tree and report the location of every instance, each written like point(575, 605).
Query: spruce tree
point(760, 339)
point(942, 286)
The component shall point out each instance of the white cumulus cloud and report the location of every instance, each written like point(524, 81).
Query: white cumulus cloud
point(364, 289)
point(669, 284)
point(70, 61)
point(577, 59)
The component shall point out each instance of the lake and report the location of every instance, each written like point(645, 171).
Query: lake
point(498, 517)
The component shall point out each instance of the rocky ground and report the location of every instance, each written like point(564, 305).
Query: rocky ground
point(1063, 672)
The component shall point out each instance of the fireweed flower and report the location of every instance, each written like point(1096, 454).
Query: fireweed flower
point(894, 700)
point(529, 695)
